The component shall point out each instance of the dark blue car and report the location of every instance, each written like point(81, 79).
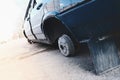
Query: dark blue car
point(70, 22)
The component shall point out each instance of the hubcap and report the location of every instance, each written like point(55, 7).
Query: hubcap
point(63, 46)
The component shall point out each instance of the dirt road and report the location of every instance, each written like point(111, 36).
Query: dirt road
point(22, 61)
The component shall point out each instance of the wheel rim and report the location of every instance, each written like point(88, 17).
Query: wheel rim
point(63, 46)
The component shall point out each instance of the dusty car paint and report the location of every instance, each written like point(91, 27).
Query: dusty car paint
point(96, 22)
point(94, 19)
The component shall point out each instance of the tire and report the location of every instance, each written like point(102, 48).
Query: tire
point(66, 45)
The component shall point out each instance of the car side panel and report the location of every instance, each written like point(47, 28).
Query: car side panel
point(93, 19)
point(36, 17)
point(28, 30)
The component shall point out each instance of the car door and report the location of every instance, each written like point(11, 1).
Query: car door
point(27, 29)
point(36, 16)
point(27, 25)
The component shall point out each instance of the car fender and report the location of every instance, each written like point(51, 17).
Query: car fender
point(49, 14)
point(52, 14)
point(60, 30)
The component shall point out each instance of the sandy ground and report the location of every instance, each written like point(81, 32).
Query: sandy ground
point(22, 61)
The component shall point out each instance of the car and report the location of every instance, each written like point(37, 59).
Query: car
point(68, 23)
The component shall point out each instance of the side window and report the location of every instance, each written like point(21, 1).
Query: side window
point(45, 9)
point(50, 6)
point(77, 1)
point(57, 4)
point(65, 3)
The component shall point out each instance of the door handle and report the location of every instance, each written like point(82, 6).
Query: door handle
point(39, 6)
point(28, 18)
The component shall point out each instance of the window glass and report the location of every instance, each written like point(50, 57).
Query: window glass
point(57, 4)
point(64, 3)
point(50, 5)
point(76, 1)
point(45, 9)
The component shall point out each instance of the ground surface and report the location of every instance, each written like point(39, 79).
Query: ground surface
point(22, 61)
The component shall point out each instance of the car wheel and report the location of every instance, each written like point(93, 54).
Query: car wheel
point(66, 45)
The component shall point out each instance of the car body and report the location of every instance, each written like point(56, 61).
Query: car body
point(82, 20)
point(70, 22)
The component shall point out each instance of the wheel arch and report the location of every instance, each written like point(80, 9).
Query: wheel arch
point(53, 28)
